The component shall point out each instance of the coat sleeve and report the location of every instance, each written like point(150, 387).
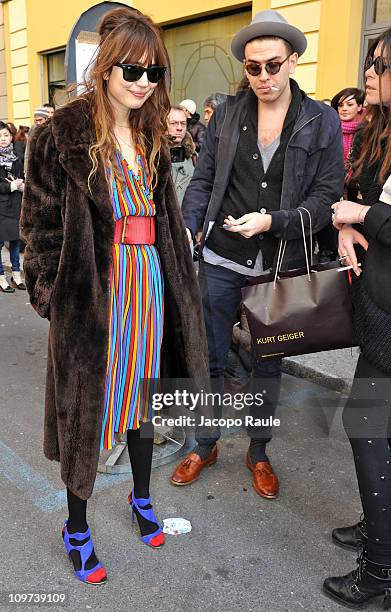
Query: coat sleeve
point(377, 222)
point(42, 219)
point(326, 188)
point(199, 190)
point(5, 187)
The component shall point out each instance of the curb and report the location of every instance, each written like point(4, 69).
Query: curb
point(337, 383)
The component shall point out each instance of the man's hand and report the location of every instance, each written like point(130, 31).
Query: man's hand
point(348, 237)
point(249, 225)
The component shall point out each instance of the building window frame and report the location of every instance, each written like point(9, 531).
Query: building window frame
point(370, 29)
point(48, 86)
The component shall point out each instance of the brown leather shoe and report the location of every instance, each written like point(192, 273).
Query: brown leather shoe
point(265, 481)
point(191, 467)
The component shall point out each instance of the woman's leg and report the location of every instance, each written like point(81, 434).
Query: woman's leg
point(140, 447)
point(4, 286)
point(366, 420)
point(77, 523)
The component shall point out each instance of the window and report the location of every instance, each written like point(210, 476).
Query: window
point(201, 60)
point(377, 18)
point(56, 78)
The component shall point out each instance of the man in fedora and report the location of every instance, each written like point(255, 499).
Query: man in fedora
point(267, 151)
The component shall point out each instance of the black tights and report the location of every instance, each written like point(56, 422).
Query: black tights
point(140, 447)
point(366, 418)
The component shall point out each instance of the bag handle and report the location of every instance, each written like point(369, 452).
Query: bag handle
point(283, 243)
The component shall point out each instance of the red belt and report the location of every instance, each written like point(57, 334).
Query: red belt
point(135, 230)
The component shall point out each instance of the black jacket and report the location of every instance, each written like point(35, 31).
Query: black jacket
point(313, 172)
point(197, 130)
point(10, 203)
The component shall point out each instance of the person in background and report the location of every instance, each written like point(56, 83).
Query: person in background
point(326, 101)
point(50, 108)
point(365, 238)
point(41, 115)
point(20, 141)
point(349, 105)
point(210, 104)
point(11, 188)
point(194, 125)
point(12, 128)
point(182, 151)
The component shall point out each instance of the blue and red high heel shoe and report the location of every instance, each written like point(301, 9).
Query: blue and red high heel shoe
point(95, 575)
point(155, 539)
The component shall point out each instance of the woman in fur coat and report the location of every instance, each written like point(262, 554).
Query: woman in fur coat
point(107, 261)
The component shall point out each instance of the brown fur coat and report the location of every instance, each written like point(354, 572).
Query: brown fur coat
point(69, 234)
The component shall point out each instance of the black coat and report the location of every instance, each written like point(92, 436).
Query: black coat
point(69, 233)
point(10, 203)
point(313, 172)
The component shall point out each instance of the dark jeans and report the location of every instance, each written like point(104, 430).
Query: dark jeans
point(14, 256)
point(366, 418)
point(221, 298)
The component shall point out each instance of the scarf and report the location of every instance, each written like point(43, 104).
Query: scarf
point(7, 156)
point(349, 129)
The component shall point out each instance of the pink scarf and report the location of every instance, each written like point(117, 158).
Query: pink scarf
point(348, 131)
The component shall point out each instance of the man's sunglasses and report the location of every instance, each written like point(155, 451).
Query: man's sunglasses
point(379, 64)
point(255, 68)
point(134, 72)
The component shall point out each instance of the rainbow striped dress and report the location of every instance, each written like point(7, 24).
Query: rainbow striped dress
point(136, 311)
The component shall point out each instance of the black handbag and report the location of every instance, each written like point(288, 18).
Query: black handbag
point(300, 311)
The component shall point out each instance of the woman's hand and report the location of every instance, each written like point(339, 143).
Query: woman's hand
point(348, 212)
point(348, 237)
point(249, 225)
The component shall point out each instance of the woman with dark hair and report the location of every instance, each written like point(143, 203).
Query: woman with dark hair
point(349, 104)
point(365, 240)
point(20, 140)
point(105, 243)
point(11, 188)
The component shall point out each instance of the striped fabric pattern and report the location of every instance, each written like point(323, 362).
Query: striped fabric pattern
point(136, 312)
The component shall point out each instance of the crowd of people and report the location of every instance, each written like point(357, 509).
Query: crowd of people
point(108, 262)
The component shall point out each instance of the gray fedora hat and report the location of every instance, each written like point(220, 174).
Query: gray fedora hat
point(268, 23)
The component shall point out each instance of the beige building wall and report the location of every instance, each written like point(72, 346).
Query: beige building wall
point(17, 60)
point(3, 70)
point(305, 15)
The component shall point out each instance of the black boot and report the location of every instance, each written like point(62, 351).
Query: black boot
point(369, 580)
point(352, 537)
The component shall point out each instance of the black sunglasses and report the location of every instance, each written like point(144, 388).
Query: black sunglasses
point(378, 63)
point(255, 68)
point(134, 72)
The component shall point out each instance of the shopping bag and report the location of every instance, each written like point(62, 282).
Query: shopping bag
point(300, 311)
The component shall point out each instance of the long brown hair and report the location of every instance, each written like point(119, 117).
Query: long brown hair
point(127, 36)
point(377, 130)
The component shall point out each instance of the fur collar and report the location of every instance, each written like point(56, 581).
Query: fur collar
point(73, 134)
